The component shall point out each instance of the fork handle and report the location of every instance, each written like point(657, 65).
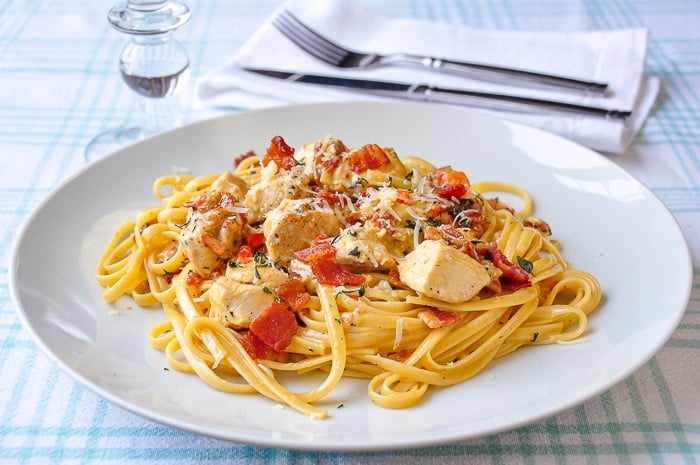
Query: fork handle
point(505, 74)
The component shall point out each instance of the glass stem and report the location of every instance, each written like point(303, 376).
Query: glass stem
point(160, 113)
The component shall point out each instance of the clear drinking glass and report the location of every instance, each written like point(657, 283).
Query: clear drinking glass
point(153, 64)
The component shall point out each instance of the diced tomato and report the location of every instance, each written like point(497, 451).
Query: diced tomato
point(450, 183)
point(275, 325)
point(513, 277)
point(193, 278)
point(255, 346)
point(294, 294)
point(245, 254)
point(403, 196)
point(318, 251)
point(255, 239)
point(367, 157)
point(331, 197)
point(447, 192)
point(329, 272)
point(395, 279)
point(279, 152)
point(216, 246)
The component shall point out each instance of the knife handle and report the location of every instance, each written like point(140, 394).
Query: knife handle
point(498, 73)
point(509, 102)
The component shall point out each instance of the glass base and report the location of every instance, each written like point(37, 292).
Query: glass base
point(112, 140)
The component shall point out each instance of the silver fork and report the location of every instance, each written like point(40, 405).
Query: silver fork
point(341, 57)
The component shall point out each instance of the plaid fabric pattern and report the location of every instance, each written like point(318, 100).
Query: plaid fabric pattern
point(59, 86)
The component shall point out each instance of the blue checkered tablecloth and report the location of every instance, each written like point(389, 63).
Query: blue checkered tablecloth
point(59, 86)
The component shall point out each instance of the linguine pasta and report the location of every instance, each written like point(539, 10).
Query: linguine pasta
point(348, 262)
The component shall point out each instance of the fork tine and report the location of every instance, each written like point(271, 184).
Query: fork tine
point(308, 39)
point(327, 43)
point(301, 41)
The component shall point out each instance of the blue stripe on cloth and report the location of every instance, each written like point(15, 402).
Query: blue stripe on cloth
point(651, 417)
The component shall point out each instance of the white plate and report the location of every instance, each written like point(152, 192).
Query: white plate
point(607, 222)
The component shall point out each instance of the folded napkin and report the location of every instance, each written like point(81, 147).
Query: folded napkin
point(616, 56)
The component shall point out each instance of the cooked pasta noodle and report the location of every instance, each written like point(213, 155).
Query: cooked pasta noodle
point(344, 262)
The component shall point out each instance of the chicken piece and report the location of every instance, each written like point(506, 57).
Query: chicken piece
point(272, 190)
point(361, 248)
point(377, 235)
point(239, 296)
point(229, 182)
point(214, 229)
point(294, 224)
point(436, 270)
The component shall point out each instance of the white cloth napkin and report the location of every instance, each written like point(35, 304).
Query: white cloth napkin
point(616, 56)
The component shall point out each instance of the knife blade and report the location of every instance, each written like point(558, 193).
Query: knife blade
point(426, 92)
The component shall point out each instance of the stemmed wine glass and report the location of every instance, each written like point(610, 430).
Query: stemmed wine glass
point(153, 64)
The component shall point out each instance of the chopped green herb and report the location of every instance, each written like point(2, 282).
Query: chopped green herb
point(360, 291)
point(355, 252)
point(360, 182)
point(525, 264)
point(260, 259)
point(465, 221)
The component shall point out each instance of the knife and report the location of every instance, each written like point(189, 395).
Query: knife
point(431, 93)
